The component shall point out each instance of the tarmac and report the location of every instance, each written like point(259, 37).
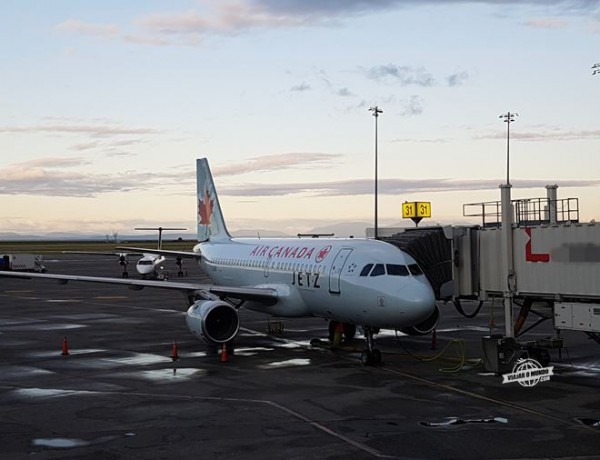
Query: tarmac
point(118, 394)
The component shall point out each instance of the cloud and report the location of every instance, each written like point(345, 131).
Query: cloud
point(233, 17)
point(63, 176)
point(90, 130)
point(223, 18)
point(84, 28)
point(457, 79)
point(414, 106)
point(438, 140)
point(546, 23)
point(344, 92)
point(386, 187)
point(301, 87)
point(544, 133)
point(404, 75)
point(278, 162)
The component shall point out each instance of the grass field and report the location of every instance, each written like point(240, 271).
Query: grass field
point(58, 246)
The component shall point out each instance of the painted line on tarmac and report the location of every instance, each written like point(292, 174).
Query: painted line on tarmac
point(154, 396)
point(485, 398)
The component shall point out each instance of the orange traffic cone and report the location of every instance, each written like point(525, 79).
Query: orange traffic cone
point(65, 347)
point(224, 354)
point(174, 355)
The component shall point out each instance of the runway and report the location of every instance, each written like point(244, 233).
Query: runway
point(118, 394)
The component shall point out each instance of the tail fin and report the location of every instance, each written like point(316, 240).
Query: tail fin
point(210, 218)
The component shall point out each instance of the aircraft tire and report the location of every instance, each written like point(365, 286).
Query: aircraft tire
point(376, 356)
point(371, 358)
point(365, 358)
point(349, 331)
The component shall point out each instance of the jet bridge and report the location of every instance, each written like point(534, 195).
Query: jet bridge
point(554, 259)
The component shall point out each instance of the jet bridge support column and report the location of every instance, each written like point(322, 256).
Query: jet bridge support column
point(507, 258)
point(552, 198)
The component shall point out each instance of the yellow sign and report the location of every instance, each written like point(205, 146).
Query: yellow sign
point(416, 209)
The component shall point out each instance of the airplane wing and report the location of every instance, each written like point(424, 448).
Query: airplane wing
point(163, 252)
point(264, 295)
point(95, 253)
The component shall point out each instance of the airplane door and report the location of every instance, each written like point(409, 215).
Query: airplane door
point(336, 270)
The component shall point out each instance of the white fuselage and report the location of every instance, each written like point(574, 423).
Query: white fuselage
point(359, 281)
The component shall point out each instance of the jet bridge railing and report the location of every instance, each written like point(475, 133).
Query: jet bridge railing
point(526, 211)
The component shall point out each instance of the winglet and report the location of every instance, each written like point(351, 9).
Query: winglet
point(211, 224)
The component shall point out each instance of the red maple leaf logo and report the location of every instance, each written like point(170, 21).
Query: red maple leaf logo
point(322, 254)
point(205, 209)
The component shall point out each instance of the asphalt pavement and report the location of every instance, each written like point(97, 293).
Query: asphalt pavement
point(119, 394)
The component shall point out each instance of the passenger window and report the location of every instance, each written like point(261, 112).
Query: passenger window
point(397, 270)
point(366, 269)
point(415, 269)
point(378, 270)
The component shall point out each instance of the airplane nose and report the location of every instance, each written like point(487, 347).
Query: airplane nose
point(419, 300)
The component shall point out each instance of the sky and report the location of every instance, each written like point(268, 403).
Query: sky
point(105, 105)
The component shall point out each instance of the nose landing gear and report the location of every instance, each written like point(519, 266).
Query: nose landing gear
point(371, 356)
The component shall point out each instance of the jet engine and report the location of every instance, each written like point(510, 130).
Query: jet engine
point(424, 327)
point(213, 321)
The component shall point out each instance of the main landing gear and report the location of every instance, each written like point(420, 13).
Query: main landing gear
point(179, 263)
point(123, 263)
point(371, 356)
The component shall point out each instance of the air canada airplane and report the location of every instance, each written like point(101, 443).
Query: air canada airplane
point(356, 282)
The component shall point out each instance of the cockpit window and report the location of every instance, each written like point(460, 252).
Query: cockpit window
point(415, 269)
point(145, 262)
point(366, 269)
point(397, 270)
point(378, 270)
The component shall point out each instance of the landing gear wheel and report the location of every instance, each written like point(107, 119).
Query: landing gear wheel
point(349, 331)
point(365, 358)
point(376, 356)
point(371, 358)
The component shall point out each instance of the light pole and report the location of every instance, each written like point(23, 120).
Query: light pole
point(376, 111)
point(508, 117)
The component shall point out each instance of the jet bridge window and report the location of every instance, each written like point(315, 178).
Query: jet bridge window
point(397, 270)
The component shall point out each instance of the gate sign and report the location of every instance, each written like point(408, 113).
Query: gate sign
point(416, 210)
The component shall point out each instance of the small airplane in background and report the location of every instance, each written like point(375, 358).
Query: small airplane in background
point(349, 281)
point(149, 265)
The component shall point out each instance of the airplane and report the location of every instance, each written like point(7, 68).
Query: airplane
point(149, 265)
point(356, 282)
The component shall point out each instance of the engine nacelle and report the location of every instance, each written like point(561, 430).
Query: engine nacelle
point(213, 321)
point(424, 327)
